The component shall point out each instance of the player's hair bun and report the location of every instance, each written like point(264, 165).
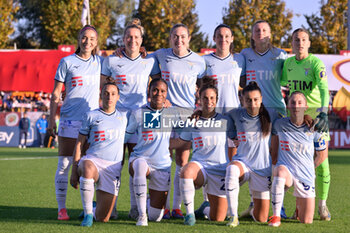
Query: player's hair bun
point(136, 22)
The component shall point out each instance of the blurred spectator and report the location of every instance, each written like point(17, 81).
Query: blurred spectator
point(24, 126)
point(41, 125)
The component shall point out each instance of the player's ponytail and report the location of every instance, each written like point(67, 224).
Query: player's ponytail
point(264, 116)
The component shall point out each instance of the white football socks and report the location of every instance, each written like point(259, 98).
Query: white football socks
point(87, 194)
point(61, 180)
point(177, 194)
point(277, 194)
point(140, 184)
point(232, 188)
point(187, 194)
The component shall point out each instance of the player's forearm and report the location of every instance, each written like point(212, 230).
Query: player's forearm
point(320, 157)
point(324, 94)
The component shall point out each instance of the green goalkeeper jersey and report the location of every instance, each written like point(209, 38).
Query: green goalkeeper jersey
point(309, 77)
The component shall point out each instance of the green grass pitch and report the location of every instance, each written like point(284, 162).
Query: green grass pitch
point(27, 200)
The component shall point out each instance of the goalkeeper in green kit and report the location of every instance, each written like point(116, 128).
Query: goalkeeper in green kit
point(306, 73)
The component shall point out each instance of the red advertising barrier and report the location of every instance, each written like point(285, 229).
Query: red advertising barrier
point(29, 70)
point(340, 139)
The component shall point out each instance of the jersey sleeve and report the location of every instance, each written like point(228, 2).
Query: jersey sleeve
point(61, 71)
point(319, 141)
point(202, 68)
point(105, 67)
point(241, 62)
point(275, 127)
point(186, 135)
point(233, 128)
point(230, 128)
point(132, 124)
point(101, 59)
point(85, 127)
point(284, 78)
point(155, 68)
point(322, 83)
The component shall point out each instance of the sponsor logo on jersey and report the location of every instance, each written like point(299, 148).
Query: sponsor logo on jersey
point(77, 81)
point(214, 77)
point(99, 136)
point(120, 79)
point(241, 137)
point(289, 69)
point(210, 65)
point(251, 60)
point(323, 74)
point(284, 145)
point(147, 135)
point(166, 75)
point(300, 85)
point(253, 75)
point(198, 142)
point(250, 74)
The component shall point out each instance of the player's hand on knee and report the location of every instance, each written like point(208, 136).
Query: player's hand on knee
point(74, 180)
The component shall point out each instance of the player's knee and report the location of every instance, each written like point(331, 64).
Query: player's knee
point(155, 214)
point(140, 167)
point(307, 220)
point(217, 218)
point(261, 218)
point(232, 171)
point(63, 164)
point(187, 173)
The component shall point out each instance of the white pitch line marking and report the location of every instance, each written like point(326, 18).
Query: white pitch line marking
point(28, 158)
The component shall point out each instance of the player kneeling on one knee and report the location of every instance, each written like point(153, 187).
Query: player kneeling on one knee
point(209, 159)
point(151, 157)
point(295, 165)
point(104, 130)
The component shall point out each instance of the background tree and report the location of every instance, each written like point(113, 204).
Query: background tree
point(7, 13)
point(158, 16)
point(241, 14)
point(52, 22)
point(329, 31)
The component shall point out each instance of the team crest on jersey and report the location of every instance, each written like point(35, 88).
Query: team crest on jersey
point(307, 71)
point(191, 64)
point(152, 119)
point(144, 63)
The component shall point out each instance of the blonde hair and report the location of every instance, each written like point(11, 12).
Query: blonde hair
point(135, 23)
